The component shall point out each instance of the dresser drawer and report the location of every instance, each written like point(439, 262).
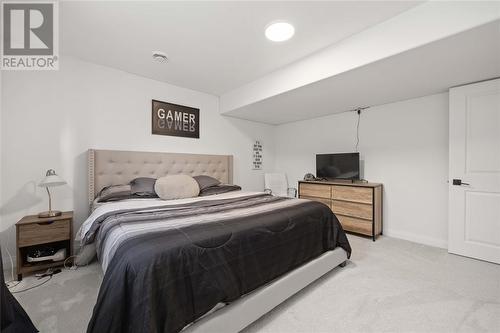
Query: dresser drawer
point(314, 190)
point(353, 224)
point(327, 202)
point(352, 209)
point(351, 193)
point(44, 232)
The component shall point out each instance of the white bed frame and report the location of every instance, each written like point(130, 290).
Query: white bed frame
point(241, 313)
point(112, 167)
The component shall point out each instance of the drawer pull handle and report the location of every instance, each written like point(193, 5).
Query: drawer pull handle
point(45, 223)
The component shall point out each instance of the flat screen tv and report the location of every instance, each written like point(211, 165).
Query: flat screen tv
point(338, 166)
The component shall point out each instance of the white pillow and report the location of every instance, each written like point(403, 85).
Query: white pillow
point(176, 187)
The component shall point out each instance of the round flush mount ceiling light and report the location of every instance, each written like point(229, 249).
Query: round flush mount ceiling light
point(279, 31)
point(160, 56)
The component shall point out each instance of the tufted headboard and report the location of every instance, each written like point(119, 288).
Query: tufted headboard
point(115, 167)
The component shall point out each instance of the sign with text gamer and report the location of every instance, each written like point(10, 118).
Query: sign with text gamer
point(175, 120)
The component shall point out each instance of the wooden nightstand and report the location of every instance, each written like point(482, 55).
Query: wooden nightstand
point(53, 231)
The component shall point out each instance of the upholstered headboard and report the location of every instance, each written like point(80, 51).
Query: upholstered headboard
point(115, 167)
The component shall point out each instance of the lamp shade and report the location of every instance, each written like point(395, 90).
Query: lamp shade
point(51, 179)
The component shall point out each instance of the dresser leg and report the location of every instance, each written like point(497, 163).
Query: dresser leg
point(19, 277)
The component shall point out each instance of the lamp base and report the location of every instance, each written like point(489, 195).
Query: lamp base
point(52, 213)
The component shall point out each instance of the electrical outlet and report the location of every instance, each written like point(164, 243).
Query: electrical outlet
point(11, 284)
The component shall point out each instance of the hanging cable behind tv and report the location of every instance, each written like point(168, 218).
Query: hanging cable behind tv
point(358, 111)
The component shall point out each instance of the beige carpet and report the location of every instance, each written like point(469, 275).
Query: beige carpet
point(389, 286)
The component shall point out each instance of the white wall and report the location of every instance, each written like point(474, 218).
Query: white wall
point(403, 145)
point(51, 118)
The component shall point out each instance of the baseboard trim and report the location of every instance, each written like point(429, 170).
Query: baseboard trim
point(426, 240)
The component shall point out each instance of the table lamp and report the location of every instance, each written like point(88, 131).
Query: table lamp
point(51, 179)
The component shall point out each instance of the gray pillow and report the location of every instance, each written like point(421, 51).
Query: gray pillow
point(206, 181)
point(176, 187)
point(222, 188)
point(114, 193)
point(143, 187)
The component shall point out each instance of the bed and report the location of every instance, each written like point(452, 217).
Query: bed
point(204, 264)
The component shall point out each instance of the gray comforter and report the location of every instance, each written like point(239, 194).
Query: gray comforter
point(167, 265)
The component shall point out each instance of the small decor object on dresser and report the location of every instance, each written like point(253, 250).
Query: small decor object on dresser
point(43, 242)
point(257, 155)
point(175, 120)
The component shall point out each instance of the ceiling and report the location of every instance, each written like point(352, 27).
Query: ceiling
point(212, 46)
point(467, 57)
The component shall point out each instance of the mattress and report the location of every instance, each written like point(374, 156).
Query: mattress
point(168, 263)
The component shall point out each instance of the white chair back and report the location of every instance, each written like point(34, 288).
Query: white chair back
point(277, 183)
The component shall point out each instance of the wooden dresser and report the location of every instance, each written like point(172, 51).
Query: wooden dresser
point(358, 206)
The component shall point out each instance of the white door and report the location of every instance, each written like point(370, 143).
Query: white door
point(474, 206)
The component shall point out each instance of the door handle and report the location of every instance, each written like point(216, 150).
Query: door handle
point(459, 182)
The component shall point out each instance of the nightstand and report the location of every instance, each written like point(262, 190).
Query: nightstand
point(52, 231)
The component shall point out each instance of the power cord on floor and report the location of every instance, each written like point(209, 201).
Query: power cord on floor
point(48, 273)
point(74, 266)
point(32, 287)
point(12, 282)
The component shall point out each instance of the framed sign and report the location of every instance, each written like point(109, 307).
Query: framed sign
point(175, 120)
point(257, 156)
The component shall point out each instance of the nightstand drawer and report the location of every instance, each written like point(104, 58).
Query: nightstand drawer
point(44, 232)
